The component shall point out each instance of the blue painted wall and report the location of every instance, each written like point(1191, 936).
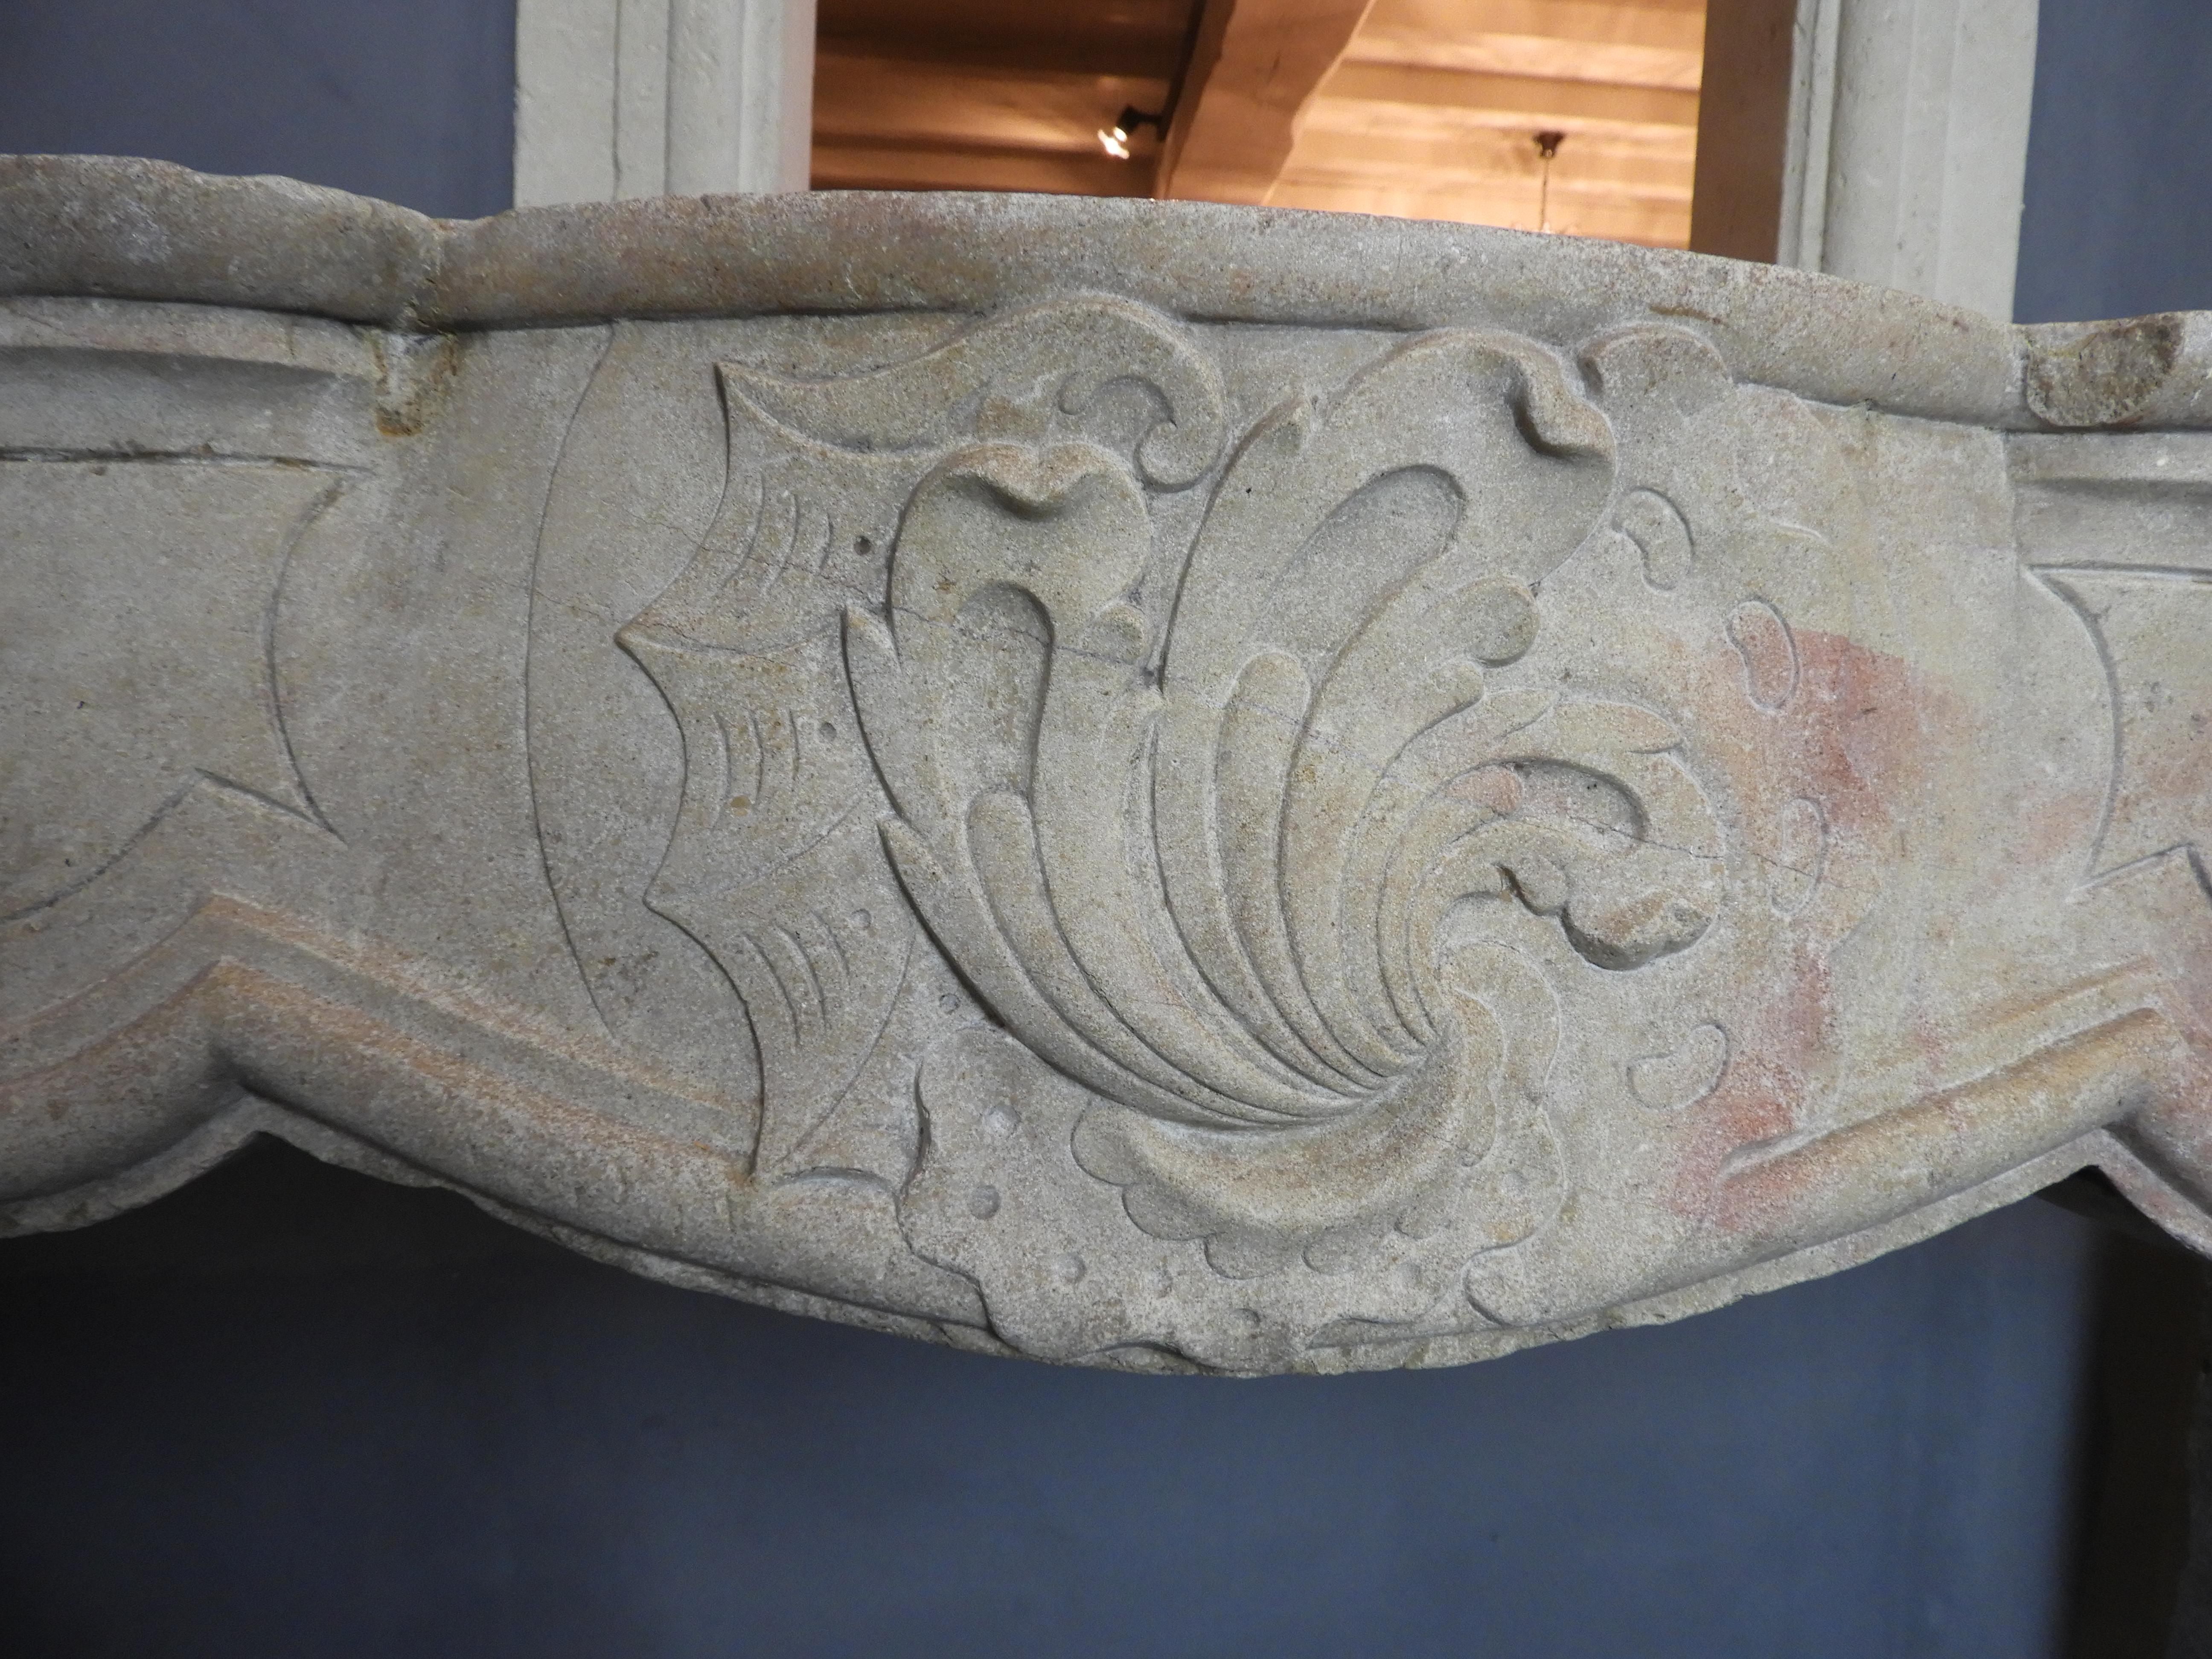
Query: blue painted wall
point(411, 100)
point(2119, 218)
point(291, 1411)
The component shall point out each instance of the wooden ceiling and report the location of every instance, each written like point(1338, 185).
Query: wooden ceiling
point(1423, 108)
point(1433, 110)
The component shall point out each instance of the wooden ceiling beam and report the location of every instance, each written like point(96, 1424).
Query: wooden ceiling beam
point(1498, 152)
point(1253, 65)
point(1433, 109)
point(859, 164)
point(1422, 107)
point(1544, 55)
point(1743, 132)
point(1535, 97)
point(1126, 37)
point(1623, 219)
point(1677, 25)
point(890, 99)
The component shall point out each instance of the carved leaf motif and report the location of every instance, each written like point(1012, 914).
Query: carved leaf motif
point(774, 864)
point(1013, 377)
point(773, 869)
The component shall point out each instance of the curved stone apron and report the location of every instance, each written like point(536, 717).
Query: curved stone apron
point(1155, 785)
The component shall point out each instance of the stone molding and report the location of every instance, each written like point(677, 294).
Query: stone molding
point(1906, 151)
point(1156, 785)
point(148, 230)
point(619, 99)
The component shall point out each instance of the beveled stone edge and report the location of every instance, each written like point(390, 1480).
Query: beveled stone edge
point(125, 229)
point(117, 228)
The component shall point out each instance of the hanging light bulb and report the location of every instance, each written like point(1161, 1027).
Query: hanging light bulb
point(1547, 146)
point(1115, 140)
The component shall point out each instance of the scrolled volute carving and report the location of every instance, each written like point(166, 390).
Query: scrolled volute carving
point(1231, 875)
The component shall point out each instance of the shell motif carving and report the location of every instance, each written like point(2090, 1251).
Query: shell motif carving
point(1231, 874)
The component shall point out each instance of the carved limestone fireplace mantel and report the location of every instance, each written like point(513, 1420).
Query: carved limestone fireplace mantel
point(1155, 785)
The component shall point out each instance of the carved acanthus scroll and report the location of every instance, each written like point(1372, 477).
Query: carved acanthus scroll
point(1222, 837)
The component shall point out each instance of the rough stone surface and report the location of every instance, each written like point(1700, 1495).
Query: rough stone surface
point(1154, 785)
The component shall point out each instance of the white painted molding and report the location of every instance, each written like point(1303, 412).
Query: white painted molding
point(619, 99)
point(1907, 144)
